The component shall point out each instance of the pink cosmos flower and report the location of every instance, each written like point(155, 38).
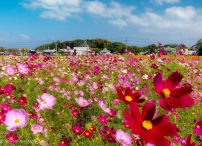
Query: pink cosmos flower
point(10, 70)
point(23, 68)
point(123, 138)
point(82, 102)
point(46, 101)
point(103, 106)
point(159, 44)
point(36, 128)
point(16, 118)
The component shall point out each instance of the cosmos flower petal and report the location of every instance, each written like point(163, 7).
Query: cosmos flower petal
point(148, 111)
point(173, 80)
point(181, 91)
point(156, 139)
point(164, 104)
point(182, 102)
point(161, 120)
point(166, 130)
point(134, 125)
point(135, 111)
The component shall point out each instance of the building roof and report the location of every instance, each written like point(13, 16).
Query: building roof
point(105, 51)
point(169, 49)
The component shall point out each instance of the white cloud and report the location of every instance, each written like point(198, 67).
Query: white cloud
point(160, 2)
point(175, 22)
point(115, 12)
point(119, 22)
point(26, 37)
point(55, 9)
point(186, 13)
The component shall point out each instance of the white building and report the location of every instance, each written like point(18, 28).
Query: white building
point(105, 51)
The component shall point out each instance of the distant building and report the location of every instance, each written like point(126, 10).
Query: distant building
point(50, 52)
point(105, 51)
point(84, 50)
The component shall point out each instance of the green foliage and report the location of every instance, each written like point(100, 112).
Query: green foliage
point(199, 46)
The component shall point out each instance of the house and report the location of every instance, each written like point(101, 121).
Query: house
point(105, 51)
point(50, 52)
point(83, 50)
point(169, 50)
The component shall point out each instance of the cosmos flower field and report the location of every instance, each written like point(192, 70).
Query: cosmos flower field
point(100, 100)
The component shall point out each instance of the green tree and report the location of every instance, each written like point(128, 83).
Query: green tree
point(24, 51)
point(3, 49)
point(199, 46)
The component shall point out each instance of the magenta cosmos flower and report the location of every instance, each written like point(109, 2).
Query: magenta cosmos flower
point(173, 97)
point(16, 118)
point(82, 102)
point(102, 119)
point(23, 68)
point(150, 130)
point(46, 101)
point(10, 70)
point(12, 138)
point(123, 138)
point(198, 128)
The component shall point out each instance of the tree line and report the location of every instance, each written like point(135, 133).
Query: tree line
point(98, 44)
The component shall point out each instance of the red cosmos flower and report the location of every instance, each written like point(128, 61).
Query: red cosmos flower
point(198, 128)
point(108, 134)
point(87, 134)
point(2, 117)
point(128, 96)
point(22, 101)
point(12, 138)
point(173, 97)
point(74, 113)
point(92, 128)
point(150, 130)
point(63, 142)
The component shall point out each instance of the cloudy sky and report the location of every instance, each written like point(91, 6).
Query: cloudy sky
point(29, 23)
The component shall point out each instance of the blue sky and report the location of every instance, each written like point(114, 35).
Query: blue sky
point(29, 23)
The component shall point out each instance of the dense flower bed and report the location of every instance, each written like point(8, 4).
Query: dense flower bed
point(100, 100)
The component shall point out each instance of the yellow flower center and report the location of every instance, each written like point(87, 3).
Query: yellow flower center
point(128, 98)
point(62, 142)
point(80, 103)
point(11, 138)
point(0, 117)
point(166, 92)
point(44, 102)
point(198, 127)
point(10, 70)
point(77, 131)
point(87, 133)
point(147, 125)
point(17, 120)
point(20, 68)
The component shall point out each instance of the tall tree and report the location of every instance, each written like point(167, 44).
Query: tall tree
point(199, 46)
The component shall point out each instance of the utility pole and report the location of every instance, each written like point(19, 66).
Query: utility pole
point(126, 44)
point(56, 48)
